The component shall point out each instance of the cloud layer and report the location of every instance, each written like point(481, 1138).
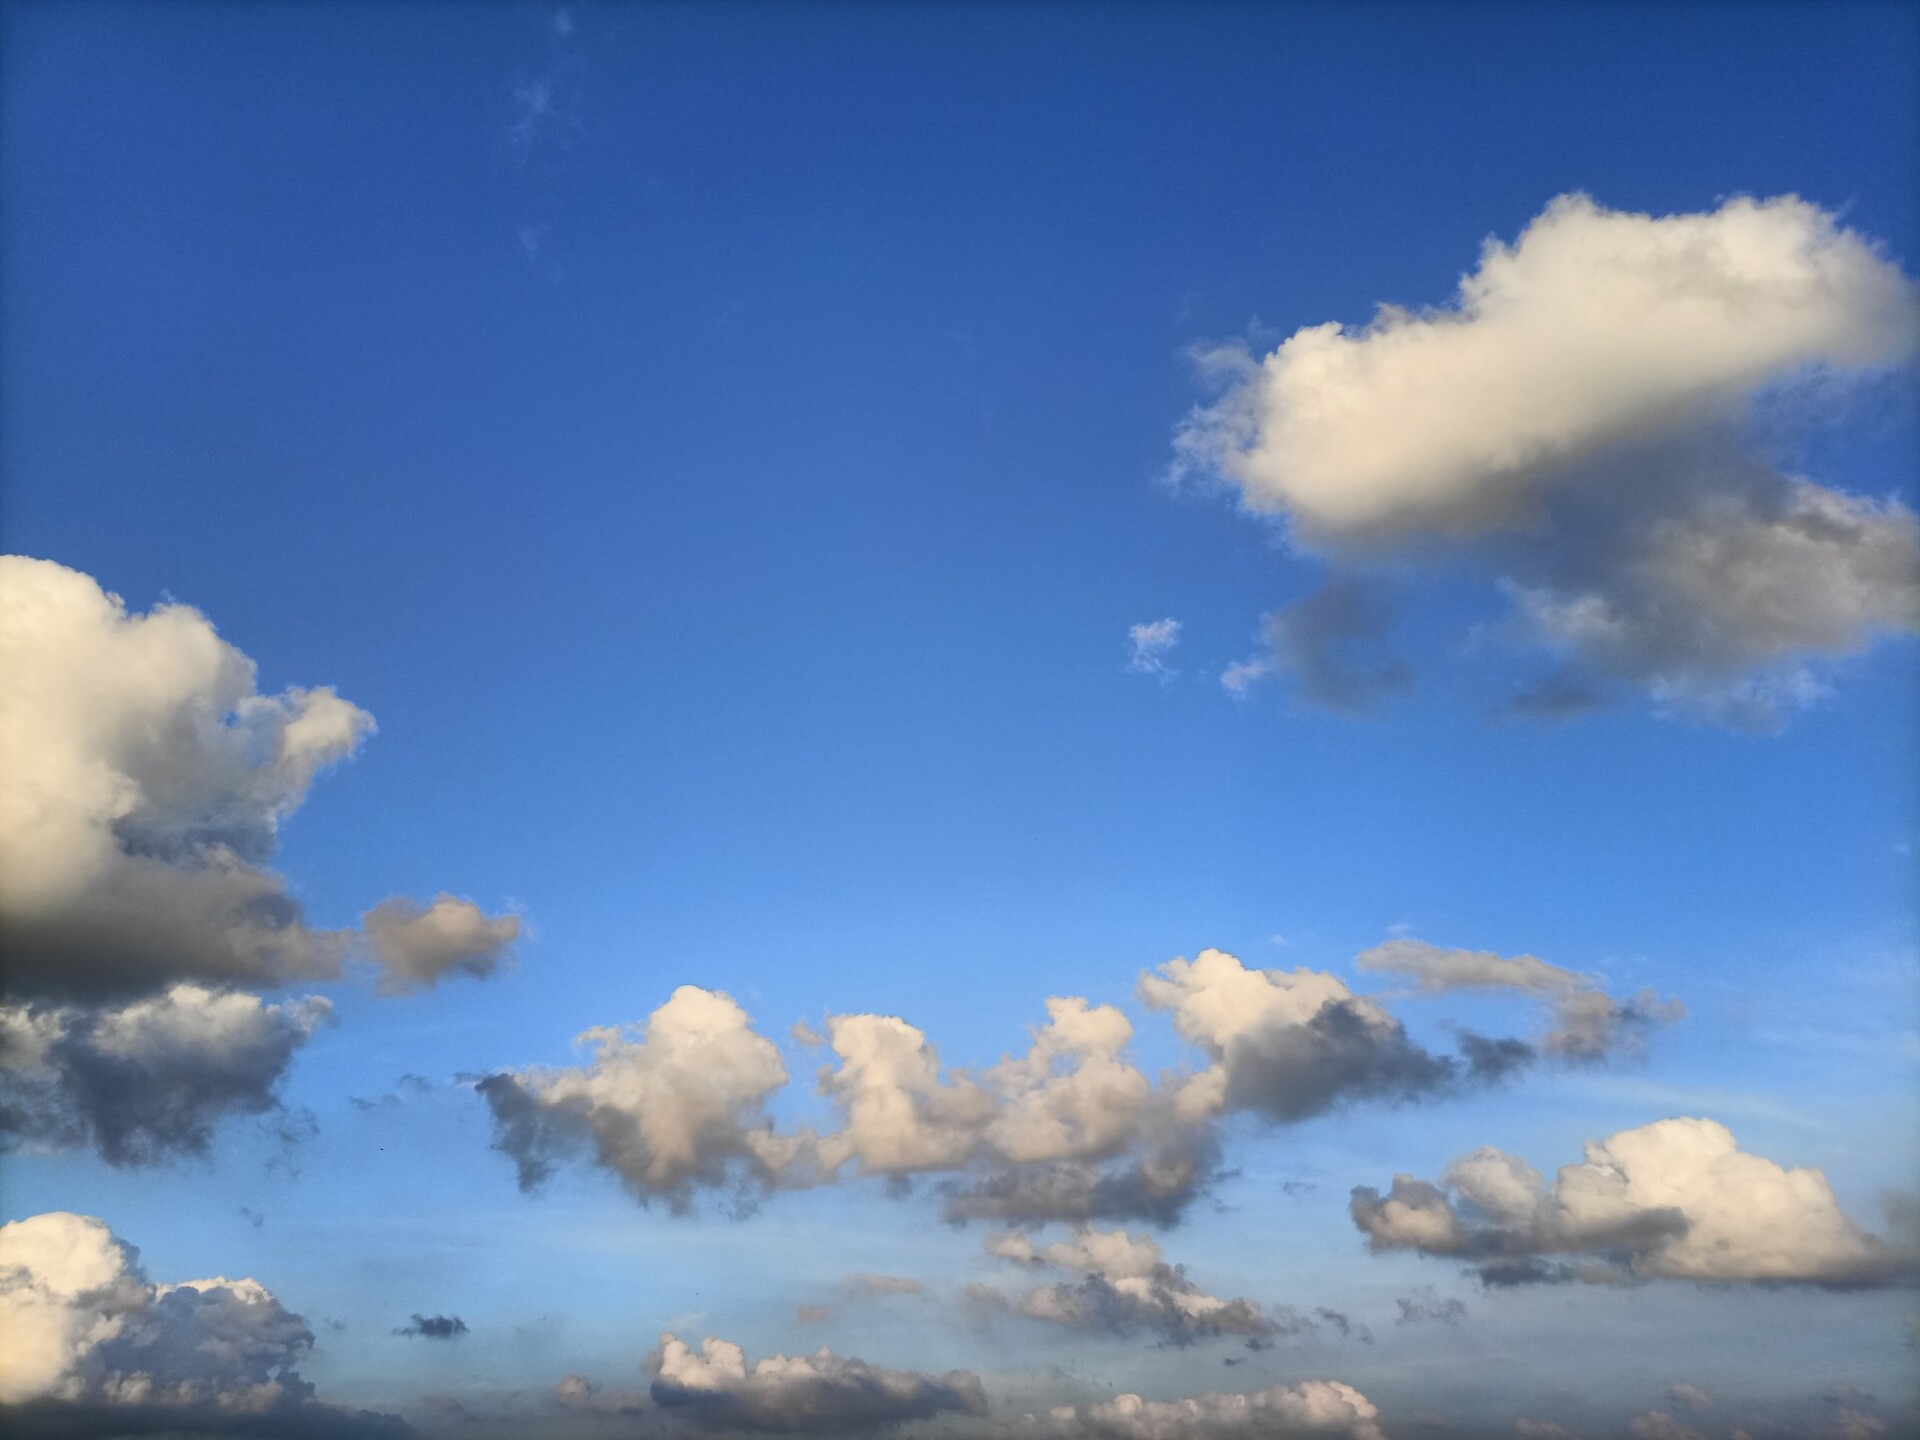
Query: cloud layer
point(1574, 426)
point(1676, 1199)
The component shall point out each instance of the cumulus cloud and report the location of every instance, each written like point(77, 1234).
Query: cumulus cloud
point(1309, 1408)
point(1289, 1044)
point(819, 1393)
point(669, 1106)
point(1574, 424)
point(418, 945)
point(1070, 1129)
point(1676, 1199)
point(149, 1080)
point(1124, 1286)
point(1150, 643)
point(145, 783)
point(1588, 1024)
point(90, 1340)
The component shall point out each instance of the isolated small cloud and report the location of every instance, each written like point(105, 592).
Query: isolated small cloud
point(417, 945)
point(821, 1393)
point(434, 1327)
point(1573, 428)
point(1151, 643)
point(1676, 1199)
point(1426, 1306)
point(1331, 645)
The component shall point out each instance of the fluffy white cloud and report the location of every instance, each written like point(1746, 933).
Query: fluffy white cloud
point(1676, 1199)
point(1572, 423)
point(1150, 643)
point(417, 945)
point(1287, 1044)
point(145, 784)
point(148, 1080)
point(1311, 1407)
point(822, 1392)
point(669, 1105)
point(1125, 1285)
point(89, 1334)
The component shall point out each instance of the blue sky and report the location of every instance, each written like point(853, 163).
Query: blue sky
point(725, 447)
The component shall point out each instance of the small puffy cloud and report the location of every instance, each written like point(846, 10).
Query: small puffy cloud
point(90, 1340)
point(417, 945)
point(1124, 1286)
point(149, 1080)
point(668, 1106)
point(1587, 1023)
point(821, 1393)
point(1676, 1199)
point(1572, 426)
point(1151, 642)
point(1288, 1044)
point(145, 786)
point(1309, 1408)
point(434, 1327)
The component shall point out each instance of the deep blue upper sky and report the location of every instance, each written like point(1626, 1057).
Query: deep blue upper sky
point(730, 491)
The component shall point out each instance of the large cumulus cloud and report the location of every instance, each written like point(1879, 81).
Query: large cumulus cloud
point(144, 785)
point(1575, 426)
point(1676, 1199)
point(91, 1341)
point(821, 1393)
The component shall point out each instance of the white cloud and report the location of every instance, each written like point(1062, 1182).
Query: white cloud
point(1571, 424)
point(1286, 1043)
point(1311, 1407)
point(668, 1105)
point(822, 1392)
point(87, 1330)
point(146, 783)
point(417, 945)
point(1151, 642)
point(1676, 1199)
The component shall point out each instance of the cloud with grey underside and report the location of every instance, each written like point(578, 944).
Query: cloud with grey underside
point(1070, 1129)
point(1673, 1200)
point(140, 917)
point(1577, 428)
